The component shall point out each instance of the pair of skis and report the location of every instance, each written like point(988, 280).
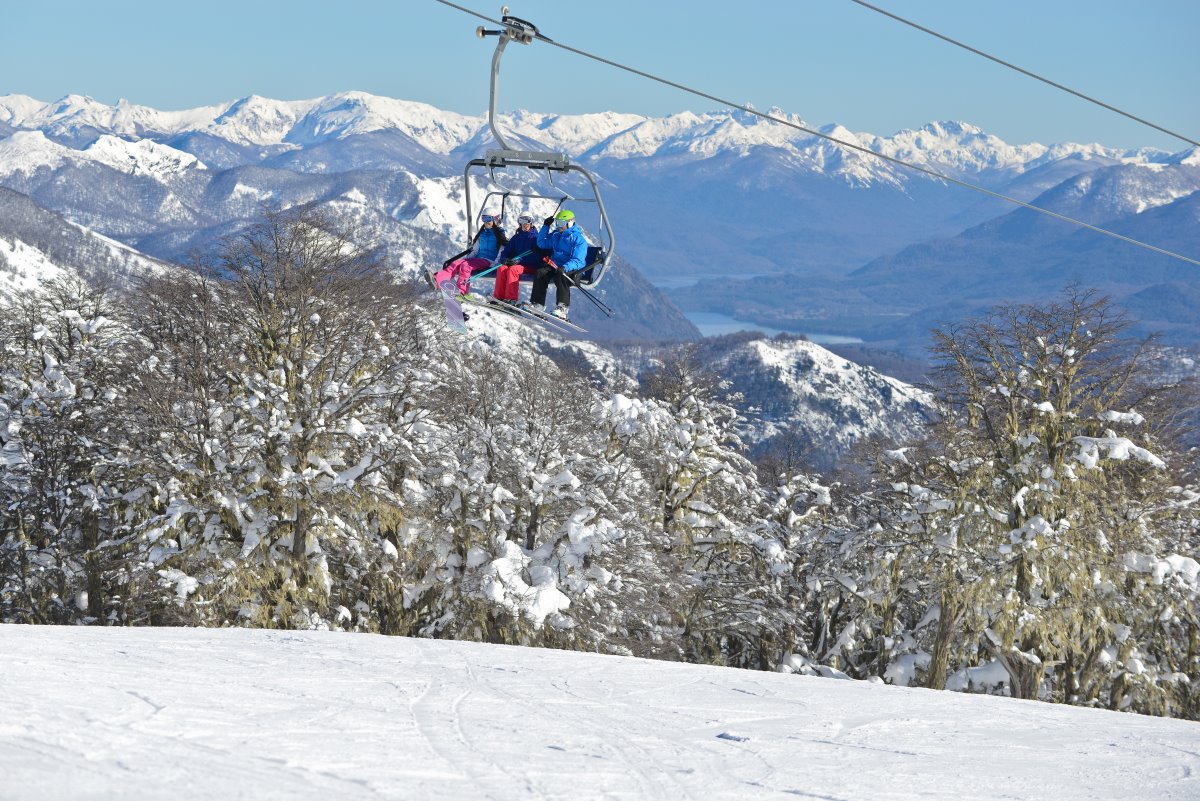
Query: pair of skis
point(456, 319)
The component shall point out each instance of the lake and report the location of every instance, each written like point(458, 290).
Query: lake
point(713, 324)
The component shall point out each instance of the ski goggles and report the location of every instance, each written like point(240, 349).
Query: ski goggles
point(487, 218)
point(524, 219)
point(561, 223)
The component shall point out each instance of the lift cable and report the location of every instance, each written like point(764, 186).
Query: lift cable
point(1024, 71)
point(841, 142)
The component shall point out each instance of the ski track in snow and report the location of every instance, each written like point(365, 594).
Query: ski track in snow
point(93, 713)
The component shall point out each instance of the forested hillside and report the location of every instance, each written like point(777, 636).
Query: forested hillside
point(294, 440)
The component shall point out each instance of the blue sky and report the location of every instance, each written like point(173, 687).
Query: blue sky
point(827, 60)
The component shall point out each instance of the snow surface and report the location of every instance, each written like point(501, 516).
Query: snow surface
point(23, 268)
point(96, 713)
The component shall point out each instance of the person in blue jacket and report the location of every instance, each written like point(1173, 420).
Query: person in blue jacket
point(485, 251)
point(520, 255)
point(568, 253)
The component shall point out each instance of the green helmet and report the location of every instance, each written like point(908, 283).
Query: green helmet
point(565, 214)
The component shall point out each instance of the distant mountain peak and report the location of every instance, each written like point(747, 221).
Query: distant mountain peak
point(74, 101)
point(798, 383)
point(1190, 157)
point(25, 152)
point(953, 128)
point(15, 108)
point(143, 157)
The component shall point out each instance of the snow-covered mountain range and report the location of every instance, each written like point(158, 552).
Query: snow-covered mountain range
point(954, 147)
point(709, 159)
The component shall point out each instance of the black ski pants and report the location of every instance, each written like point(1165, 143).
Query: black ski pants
point(541, 281)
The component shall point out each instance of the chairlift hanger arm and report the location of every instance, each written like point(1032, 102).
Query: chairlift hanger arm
point(515, 30)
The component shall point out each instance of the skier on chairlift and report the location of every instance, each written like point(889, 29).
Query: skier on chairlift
point(568, 253)
point(485, 252)
point(519, 256)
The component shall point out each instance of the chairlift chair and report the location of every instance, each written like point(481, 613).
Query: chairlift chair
point(541, 163)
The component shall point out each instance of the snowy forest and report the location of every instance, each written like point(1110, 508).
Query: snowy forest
point(288, 437)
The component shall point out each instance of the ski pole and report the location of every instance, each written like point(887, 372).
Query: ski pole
point(587, 294)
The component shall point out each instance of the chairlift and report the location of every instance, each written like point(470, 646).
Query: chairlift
point(543, 165)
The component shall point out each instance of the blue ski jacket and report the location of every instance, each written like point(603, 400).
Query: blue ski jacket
point(567, 247)
point(521, 242)
point(488, 245)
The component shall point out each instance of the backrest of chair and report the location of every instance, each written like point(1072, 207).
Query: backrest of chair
point(595, 254)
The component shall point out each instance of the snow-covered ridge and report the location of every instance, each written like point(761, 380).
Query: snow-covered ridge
point(251, 120)
point(26, 152)
point(254, 120)
point(1131, 189)
point(23, 268)
point(38, 246)
point(350, 113)
point(799, 384)
point(143, 157)
point(77, 111)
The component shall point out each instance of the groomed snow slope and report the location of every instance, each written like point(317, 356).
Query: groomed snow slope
point(96, 713)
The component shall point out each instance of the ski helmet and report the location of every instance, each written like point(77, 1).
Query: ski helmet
point(565, 214)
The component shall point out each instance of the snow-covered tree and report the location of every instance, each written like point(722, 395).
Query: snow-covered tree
point(62, 452)
point(1027, 538)
point(530, 535)
point(738, 607)
point(285, 398)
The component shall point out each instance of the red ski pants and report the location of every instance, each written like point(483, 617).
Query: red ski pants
point(508, 282)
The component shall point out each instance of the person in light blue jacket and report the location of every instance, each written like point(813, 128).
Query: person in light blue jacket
point(568, 253)
point(484, 252)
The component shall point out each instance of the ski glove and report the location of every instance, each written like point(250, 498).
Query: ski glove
point(549, 221)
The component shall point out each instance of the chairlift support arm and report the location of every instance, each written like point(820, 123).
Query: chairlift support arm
point(515, 30)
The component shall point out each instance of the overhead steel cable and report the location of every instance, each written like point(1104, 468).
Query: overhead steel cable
point(840, 142)
point(1024, 71)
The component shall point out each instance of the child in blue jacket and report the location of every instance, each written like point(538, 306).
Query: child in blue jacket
point(485, 250)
